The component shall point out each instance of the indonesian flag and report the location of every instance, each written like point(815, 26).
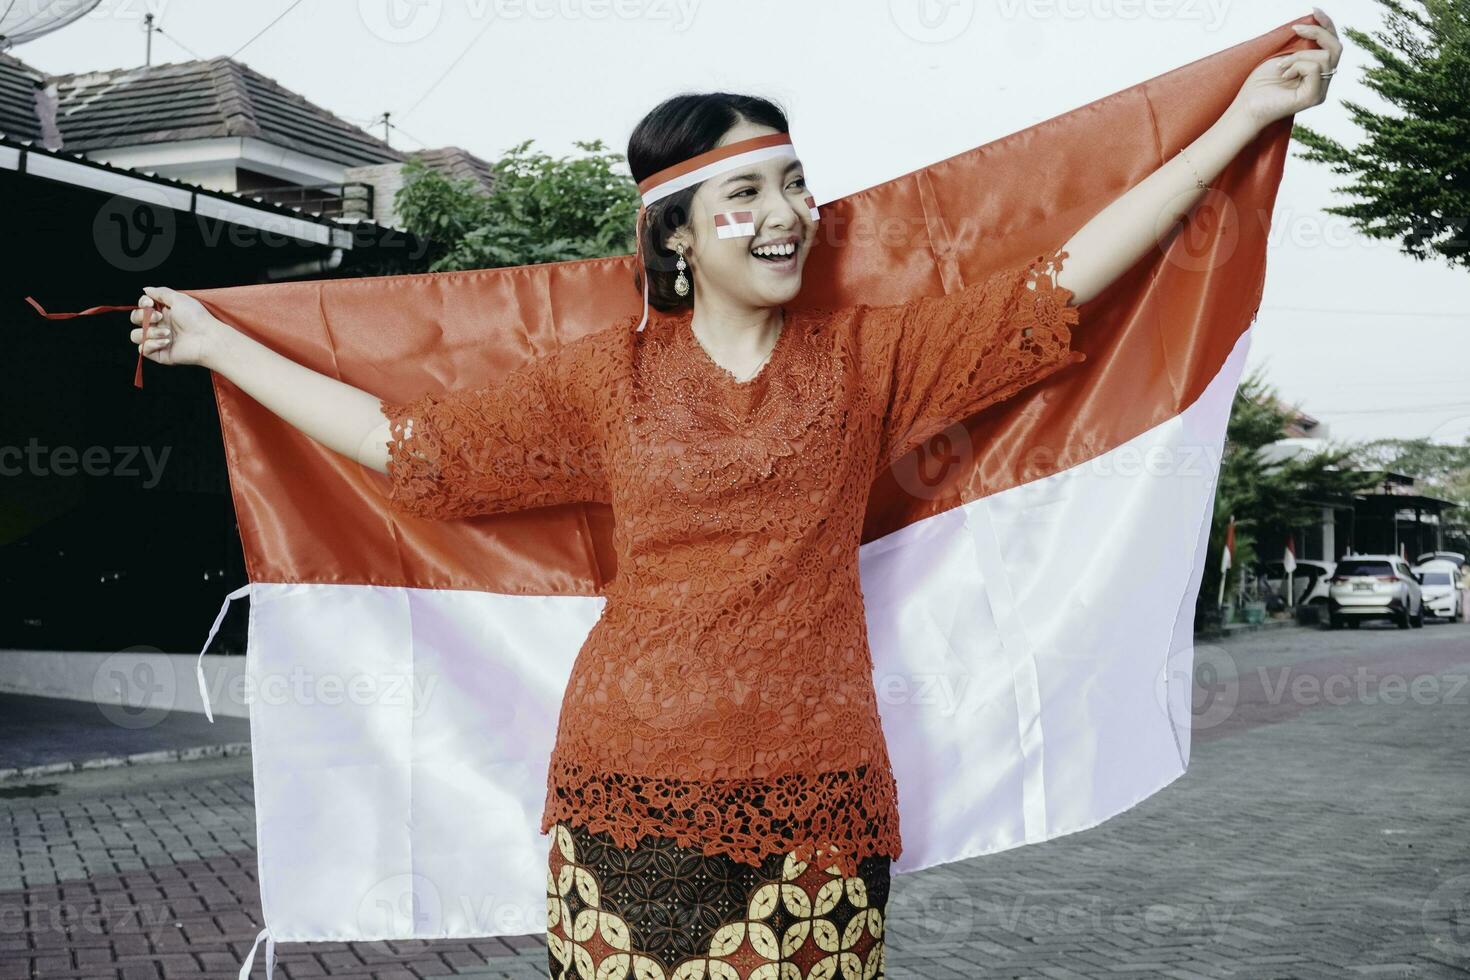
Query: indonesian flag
point(1227, 554)
point(811, 206)
point(735, 224)
point(1026, 690)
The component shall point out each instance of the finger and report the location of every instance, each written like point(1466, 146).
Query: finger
point(1303, 62)
point(1321, 17)
point(1326, 40)
point(161, 293)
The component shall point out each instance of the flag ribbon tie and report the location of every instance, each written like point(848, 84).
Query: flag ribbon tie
point(138, 371)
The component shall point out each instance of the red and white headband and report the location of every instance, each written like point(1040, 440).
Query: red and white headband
point(701, 167)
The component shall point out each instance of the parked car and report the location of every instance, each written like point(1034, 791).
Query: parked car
point(1374, 587)
point(1309, 581)
point(1453, 556)
point(1439, 581)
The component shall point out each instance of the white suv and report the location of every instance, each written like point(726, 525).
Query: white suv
point(1374, 587)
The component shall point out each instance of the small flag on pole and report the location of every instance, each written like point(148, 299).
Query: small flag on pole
point(735, 224)
point(1288, 562)
point(1227, 555)
point(811, 206)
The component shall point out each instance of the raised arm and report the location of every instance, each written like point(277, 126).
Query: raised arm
point(533, 438)
point(335, 414)
point(1119, 235)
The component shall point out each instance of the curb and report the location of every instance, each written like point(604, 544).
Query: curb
point(1235, 629)
point(117, 761)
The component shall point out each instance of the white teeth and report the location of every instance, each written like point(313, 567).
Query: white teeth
point(775, 250)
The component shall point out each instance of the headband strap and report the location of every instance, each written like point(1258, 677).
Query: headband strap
point(703, 166)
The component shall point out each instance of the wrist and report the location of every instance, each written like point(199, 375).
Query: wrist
point(215, 346)
point(1238, 125)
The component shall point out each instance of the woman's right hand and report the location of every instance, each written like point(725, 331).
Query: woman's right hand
point(184, 333)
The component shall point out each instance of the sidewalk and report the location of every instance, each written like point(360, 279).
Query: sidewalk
point(1317, 834)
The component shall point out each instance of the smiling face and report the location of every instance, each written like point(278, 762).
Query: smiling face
point(731, 272)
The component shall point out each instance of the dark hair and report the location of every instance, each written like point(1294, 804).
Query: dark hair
point(675, 130)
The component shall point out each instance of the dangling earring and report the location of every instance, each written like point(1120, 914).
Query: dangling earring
point(681, 283)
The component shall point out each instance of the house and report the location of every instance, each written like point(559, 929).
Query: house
point(193, 175)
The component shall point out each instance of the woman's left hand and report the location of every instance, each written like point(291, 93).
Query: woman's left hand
point(1287, 84)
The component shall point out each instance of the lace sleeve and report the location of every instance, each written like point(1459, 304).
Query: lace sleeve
point(529, 439)
point(939, 359)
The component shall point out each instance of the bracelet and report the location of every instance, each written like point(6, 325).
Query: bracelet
point(1197, 182)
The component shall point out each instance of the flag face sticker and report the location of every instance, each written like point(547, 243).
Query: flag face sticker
point(811, 207)
point(735, 224)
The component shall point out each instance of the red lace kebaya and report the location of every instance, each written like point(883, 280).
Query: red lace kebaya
point(725, 697)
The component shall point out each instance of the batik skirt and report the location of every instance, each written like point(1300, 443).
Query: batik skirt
point(663, 911)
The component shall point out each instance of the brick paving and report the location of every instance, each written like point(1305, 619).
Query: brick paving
point(1321, 831)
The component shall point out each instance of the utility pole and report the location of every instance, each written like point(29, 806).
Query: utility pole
point(148, 43)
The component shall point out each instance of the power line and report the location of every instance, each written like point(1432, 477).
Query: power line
point(1410, 409)
point(445, 73)
point(192, 53)
point(151, 26)
point(393, 125)
point(1406, 314)
point(294, 5)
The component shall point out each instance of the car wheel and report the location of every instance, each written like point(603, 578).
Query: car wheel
point(1419, 617)
point(1334, 622)
point(1354, 623)
point(1402, 619)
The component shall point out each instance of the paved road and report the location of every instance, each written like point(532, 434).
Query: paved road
point(1321, 831)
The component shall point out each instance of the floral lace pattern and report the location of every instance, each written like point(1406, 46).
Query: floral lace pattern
point(725, 697)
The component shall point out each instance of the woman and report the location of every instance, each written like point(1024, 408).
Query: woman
point(719, 797)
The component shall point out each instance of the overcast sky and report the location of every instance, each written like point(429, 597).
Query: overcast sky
point(1368, 340)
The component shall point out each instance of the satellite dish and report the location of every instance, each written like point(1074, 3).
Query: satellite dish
point(22, 22)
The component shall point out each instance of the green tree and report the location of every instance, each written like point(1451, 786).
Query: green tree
point(1411, 172)
point(539, 209)
point(1266, 497)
